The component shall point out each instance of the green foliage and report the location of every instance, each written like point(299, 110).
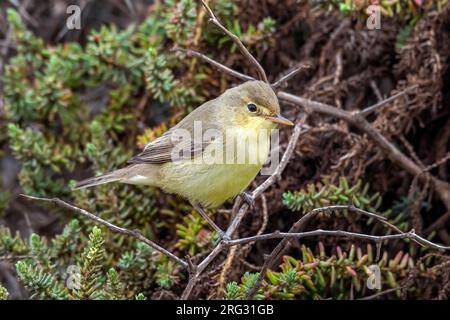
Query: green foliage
point(240, 291)
point(61, 271)
point(4, 200)
point(324, 194)
point(4, 295)
point(43, 285)
point(48, 154)
point(140, 296)
point(92, 260)
point(11, 245)
point(182, 18)
point(143, 268)
point(193, 234)
point(55, 128)
point(114, 288)
point(318, 276)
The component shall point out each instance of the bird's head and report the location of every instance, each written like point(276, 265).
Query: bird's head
point(254, 104)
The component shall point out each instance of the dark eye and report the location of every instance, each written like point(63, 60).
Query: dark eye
point(252, 107)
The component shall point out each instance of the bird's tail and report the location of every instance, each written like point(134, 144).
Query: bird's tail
point(94, 181)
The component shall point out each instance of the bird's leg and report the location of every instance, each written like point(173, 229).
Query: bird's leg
point(209, 220)
point(248, 198)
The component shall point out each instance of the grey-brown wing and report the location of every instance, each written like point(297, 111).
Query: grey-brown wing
point(162, 149)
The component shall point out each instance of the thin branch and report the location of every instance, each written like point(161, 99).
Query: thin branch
point(201, 56)
point(339, 233)
point(112, 227)
point(378, 294)
point(289, 76)
point(242, 211)
point(365, 112)
point(355, 119)
point(20, 257)
point(237, 41)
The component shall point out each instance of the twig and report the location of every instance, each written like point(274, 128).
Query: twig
point(112, 227)
point(237, 41)
point(365, 112)
point(378, 294)
point(201, 56)
point(289, 76)
point(376, 91)
point(20, 257)
point(339, 67)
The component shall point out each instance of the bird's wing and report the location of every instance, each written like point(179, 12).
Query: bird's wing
point(161, 150)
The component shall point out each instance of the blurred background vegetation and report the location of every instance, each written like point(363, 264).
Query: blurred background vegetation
point(81, 102)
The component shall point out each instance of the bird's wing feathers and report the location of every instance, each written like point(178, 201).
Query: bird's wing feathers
point(161, 150)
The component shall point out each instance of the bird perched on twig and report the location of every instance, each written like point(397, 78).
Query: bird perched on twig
point(199, 158)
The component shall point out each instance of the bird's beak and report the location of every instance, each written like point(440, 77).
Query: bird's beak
point(281, 120)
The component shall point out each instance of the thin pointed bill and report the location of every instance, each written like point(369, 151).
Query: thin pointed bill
point(281, 120)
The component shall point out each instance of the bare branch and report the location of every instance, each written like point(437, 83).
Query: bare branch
point(234, 73)
point(112, 227)
point(237, 41)
point(289, 76)
point(19, 257)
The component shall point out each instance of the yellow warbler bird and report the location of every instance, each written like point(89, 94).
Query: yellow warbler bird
point(199, 158)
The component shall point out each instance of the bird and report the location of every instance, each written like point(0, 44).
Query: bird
point(196, 168)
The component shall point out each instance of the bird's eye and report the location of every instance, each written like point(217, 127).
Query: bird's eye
point(252, 107)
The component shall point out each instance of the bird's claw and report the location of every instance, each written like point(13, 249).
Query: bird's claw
point(248, 198)
point(222, 237)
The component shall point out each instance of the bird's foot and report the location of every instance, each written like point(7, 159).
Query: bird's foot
point(222, 234)
point(222, 237)
point(248, 198)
